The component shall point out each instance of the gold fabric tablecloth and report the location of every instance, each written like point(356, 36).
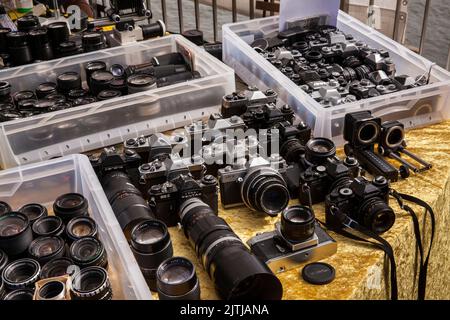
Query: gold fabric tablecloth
point(360, 268)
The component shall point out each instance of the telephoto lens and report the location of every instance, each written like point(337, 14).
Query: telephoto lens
point(33, 211)
point(15, 233)
point(3, 261)
point(91, 284)
point(92, 67)
point(44, 249)
point(237, 273)
point(5, 92)
point(69, 206)
point(48, 226)
point(21, 274)
point(140, 83)
point(45, 89)
point(68, 81)
point(20, 294)
point(80, 227)
point(58, 32)
point(93, 41)
point(28, 23)
point(19, 49)
point(297, 223)
point(3, 40)
point(40, 44)
point(4, 208)
point(126, 200)
point(88, 252)
point(56, 267)
point(100, 81)
point(52, 290)
point(151, 245)
point(177, 280)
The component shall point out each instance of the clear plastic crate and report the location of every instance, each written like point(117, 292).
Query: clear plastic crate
point(414, 107)
point(112, 121)
point(44, 182)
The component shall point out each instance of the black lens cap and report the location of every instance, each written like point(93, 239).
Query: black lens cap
point(318, 273)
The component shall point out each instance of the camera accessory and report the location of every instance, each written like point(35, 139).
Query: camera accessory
point(93, 41)
point(168, 59)
point(298, 238)
point(56, 267)
point(152, 30)
point(79, 102)
point(151, 245)
point(177, 280)
point(56, 97)
point(3, 40)
point(140, 83)
point(108, 94)
point(21, 274)
point(19, 49)
point(88, 252)
point(318, 150)
point(117, 70)
point(10, 116)
point(28, 107)
point(76, 94)
point(40, 45)
point(119, 85)
point(45, 89)
point(91, 283)
point(15, 233)
point(69, 206)
point(100, 81)
point(20, 294)
point(68, 48)
point(80, 227)
point(220, 250)
point(68, 81)
point(44, 249)
point(33, 211)
point(92, 67)
point(52, 290)
point(3, 261)
point(318, 273)
point(58, 32)
point(177, 78)
point(48, 226)
point(28, 23)
point(4, 208)
point(5, 92)
point(23, 95)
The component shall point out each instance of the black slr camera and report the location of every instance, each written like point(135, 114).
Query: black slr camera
point(366, 202)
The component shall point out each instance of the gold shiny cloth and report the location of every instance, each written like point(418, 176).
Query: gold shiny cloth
point(360, 268)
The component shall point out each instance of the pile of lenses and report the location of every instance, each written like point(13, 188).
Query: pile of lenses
point(36, 246)
point(34, 43)
point(102, 82)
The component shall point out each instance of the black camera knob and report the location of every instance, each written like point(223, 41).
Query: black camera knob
point(380, 181)
point(155, 188)
point(350, 161)
point(209, 179)
point(346, 192)
point(131, 142)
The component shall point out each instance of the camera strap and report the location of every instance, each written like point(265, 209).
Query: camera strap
point(423, 269)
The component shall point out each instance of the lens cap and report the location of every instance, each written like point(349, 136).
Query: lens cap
point(318, 273)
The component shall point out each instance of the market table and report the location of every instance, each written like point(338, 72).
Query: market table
point(360, 268)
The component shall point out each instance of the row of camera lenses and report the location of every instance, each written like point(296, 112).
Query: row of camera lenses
point(33, 42)
point(36, 246)
point(103, 83)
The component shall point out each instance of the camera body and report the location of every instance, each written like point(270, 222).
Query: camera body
point(238, 103)
point(157, 146)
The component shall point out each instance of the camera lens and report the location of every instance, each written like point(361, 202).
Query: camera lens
point(76, 94)
point(292, 150)
point(52, 290)
point(220, 250)
point(91, 284)
point(92, 67)
point(56, 267)
point(19, 50)
point(100, 81)
point(297, 223)
point(119, 85)
point(3, 40)
point(33, 211)
point(151, 245)
point(177, 280)
point(58, 32)
point(8, 107)
point(5, 92)
point(80, 227)
point(30, 105)
point(10, 116)
point(45, 89)
point(20, 294)
point(28, 23)
point(394, 137)
point(68, 81)
point(83, 101)
point(376, 215)
point(55, 97)
point(68, 48)
point(23, 95)
point(87, 252)
point(69, 206)
point(3, 261)
point(15, 233)
point(157, 29)
point(48, 226)
point(140, 82)
point(4, 208)
point(117, 70)
point(264, 189)
point(168, 59)
point(108, 94)
point(40, 45)
point(126, 200)
point(368, 132)
point(20, 274)
point(93, 41)
point(318, 150)
point(44, 249)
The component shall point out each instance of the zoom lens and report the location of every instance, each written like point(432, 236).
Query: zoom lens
point(34, 211)
point(264, 189)
point(140, 83)
point(68, 81)
point(91, 284)
point(151, 245)
point(56, 268)
point(318, 150)
point(376, 215)
point(81, 227)
point(126, 200)
point(52, 290)
point(20, 274)
point(298, 223)
point(100, 81)
point(177, 280)
point(69, 206)
point(44, 249)
point(48, 226)
point(93, 41)
point(4, 208)
point(19, 50)
point(20, 294)
point(40, 44)
point(15, 233)
point(292, 150)
point(221, 251)
point(88, 252)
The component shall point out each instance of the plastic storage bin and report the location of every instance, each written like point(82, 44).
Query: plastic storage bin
point(414, 107)
point(44, 182)
point(112, 121)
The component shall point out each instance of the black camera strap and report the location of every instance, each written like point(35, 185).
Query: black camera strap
point(423, 269)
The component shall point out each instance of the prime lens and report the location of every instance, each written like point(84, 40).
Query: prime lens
point(376, 215)
point(28, 23)
point(44, 249)
point(19, 49)
point(91, 284)
point(69, 206)
point(40, 44)
point(45, 89)
point(58, 32)
point(318, 150)
point(20, 274)
point(15, 233)
point(56, 267)
point(48, 226)
point(34, 211)
point(91, 67)
point(108, 94)
point(93, 40)
point(297, 223)
point(68, 81)
point(141, 82)
point(88, 252)
point(100, 81)
point(81, 227)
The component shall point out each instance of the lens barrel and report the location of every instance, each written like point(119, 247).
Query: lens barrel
point(19, 49)
point(93, 41)
point(140, 83)
point(91, 284)
point(58, 32)
point(40, 44)
point(3, 261)
point(69, 206)
point(44, 249)
point(318, 150)
point(297, 223)
point(48, 226)
point(68, 81)
point(21, 274)
point(88, 252)
point(15, 233)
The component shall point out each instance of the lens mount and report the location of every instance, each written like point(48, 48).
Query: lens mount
point(21, 274)
point(318, 150)
point(150, 236)
point(297, 223)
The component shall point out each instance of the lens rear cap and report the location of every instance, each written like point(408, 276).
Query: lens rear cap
point(318, 273)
